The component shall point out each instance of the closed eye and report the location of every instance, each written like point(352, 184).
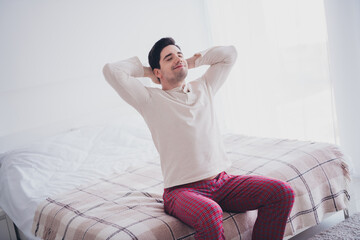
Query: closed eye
point(169, 56)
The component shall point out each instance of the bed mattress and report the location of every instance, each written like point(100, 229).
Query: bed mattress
point(105, 182)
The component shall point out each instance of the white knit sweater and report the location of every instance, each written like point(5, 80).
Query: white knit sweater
point(182, 122)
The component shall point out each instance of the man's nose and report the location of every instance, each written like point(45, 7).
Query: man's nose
point(178, 59)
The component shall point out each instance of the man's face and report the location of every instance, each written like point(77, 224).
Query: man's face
point(173, 66)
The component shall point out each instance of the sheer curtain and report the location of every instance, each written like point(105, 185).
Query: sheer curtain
point(343, 21)
point(280, 84)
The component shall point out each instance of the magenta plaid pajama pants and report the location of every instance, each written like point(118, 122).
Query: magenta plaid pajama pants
point(201, 204)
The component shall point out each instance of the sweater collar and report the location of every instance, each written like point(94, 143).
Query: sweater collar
point(183, 89)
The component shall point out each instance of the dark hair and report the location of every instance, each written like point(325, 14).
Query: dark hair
point(154, 54)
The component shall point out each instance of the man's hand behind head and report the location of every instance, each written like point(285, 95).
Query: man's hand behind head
point(149, 73)
point(191, 61)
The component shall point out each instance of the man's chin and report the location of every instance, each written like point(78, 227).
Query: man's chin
point(182, 74)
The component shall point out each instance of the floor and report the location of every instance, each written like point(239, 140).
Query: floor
point(336, 218)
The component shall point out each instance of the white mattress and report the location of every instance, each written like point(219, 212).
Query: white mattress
point(49, 167)
point(32, 173)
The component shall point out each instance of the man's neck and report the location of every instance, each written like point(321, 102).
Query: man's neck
point(166, 87)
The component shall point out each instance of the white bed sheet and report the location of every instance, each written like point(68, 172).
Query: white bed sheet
point(31, 174)
point(54, 165)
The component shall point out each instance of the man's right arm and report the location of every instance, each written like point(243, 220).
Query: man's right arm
point(122, 76)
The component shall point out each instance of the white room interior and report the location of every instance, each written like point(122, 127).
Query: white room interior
point(52, 54)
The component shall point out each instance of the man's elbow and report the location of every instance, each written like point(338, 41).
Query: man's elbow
point(232, 54)
point(106, 70)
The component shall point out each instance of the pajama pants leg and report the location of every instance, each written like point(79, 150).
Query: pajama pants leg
point(201, 204)
point(197, 211)
point(273, 199)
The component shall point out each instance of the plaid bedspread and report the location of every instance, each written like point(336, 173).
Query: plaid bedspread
point(129, 205)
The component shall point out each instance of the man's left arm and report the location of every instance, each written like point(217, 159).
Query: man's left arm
point(221, 59)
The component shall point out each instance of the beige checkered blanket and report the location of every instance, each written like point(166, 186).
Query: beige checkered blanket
point(129, 205)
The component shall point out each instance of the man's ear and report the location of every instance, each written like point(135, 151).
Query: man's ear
point(157, 73)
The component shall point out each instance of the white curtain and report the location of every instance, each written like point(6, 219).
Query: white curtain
point(343, 26)
point(280, 84)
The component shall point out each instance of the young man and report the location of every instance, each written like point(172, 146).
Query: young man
point(183, 126)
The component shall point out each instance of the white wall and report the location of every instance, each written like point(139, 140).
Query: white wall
point(52, 54)
point(343, 23)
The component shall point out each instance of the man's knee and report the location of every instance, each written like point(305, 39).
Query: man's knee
point(285, 193)
point(209, 223)
point(210, 216)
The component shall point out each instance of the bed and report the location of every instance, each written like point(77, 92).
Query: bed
point(104, 182)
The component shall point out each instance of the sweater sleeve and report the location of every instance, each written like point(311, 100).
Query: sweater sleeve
point(221, 59)
point(122, 76)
